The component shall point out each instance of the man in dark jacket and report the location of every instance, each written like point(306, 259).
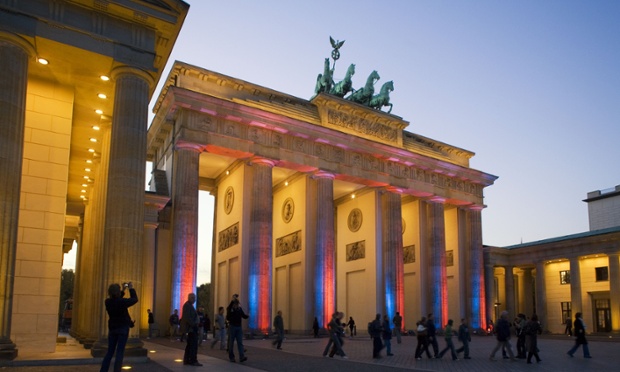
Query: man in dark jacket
point(375, 333)
point(189, 325)
point(234, 316)
point(502, 328)
point(278, 325)
point(580, 332)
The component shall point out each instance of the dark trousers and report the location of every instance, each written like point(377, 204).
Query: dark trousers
point(422, 347)
point(191, 349)
point(465, 348)
point(377, 345)
point(117, 339)
point(449, 346)
point(279, 338)
point(432, 341)
point(521, 346)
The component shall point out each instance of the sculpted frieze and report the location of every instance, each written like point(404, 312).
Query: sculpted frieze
point(361, 125)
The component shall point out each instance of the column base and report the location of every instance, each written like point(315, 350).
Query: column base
point(134, 348)
point(8, 350)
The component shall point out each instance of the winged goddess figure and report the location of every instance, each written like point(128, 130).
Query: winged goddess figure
point(336, 45)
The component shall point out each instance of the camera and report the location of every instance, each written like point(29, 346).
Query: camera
point(125, 285)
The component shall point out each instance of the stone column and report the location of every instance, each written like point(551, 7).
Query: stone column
point(437, 261)
point(489, 288)
point(528, 303)
point(88, 301)
point(392, 246)
point(575, 285)
point(541, 294)
point(322, 185)
point(147, 290)
point(185, 189)
point(259, 178)
point(476, 290)
point(509, 285)
point(124, 211)
point(14, 55)
point(614, 290)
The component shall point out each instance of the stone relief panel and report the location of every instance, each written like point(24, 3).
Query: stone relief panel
point(288, 210)
point(356, 251)
point(229, 199)
point(363, 126)
point(288, 244)
point(228, 237)
point(354, 222)
point(409, 254)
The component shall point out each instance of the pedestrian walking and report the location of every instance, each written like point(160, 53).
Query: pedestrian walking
point(422, 335)
point(569, 327)
point(315, 327)
point(387, 335)
point(432, 334)
point(335, 331)
point(580, 334)
point(465, 339)
point(351, 324)
point(449, 344)
point(398, 325)
point(531, 330)
point(278, 325)
point(520, 323)
point(502, 329)
point(375, 329)
point(235, 316)
point(201, 324)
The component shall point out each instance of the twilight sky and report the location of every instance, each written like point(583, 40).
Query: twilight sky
point(532, 87)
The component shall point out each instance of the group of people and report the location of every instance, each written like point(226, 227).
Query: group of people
point(193, 322)
point(426, 333)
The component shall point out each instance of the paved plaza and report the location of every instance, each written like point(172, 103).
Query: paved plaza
point(305, 354)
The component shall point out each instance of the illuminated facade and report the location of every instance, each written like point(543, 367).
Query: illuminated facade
point(321, 205)
point(72, 160)
point(558, 277)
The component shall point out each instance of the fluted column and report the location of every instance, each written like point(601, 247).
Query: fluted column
point(124, 211)
point(259, 178)
point(437, 261)
point(147, 293)
point(541, 294)
point(14, 55)
point(575, 285)
point(324, 255)
point(614, 290)
point(509, 284)
point(392, 246)
point(489, 288)
point(185, 189)
point(475, 270)
point(528, 305)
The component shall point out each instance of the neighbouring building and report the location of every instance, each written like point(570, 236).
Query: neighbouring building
point(559, 277)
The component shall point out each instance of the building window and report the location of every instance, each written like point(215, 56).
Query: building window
point(566, 311)
point(565, 277)
point(449, 258)
point(602, 274)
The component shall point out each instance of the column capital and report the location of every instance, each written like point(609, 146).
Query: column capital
point(322, 174)
point(436, 199)
point(9, 37)
point(119, 71)
point(188, 146)
point(262, 161)
point(394, 190)
point(475, 207)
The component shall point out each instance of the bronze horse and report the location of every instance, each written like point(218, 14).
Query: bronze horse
point(383, 98)
point(363, 95)
point(345, 86)
point(324, 82)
